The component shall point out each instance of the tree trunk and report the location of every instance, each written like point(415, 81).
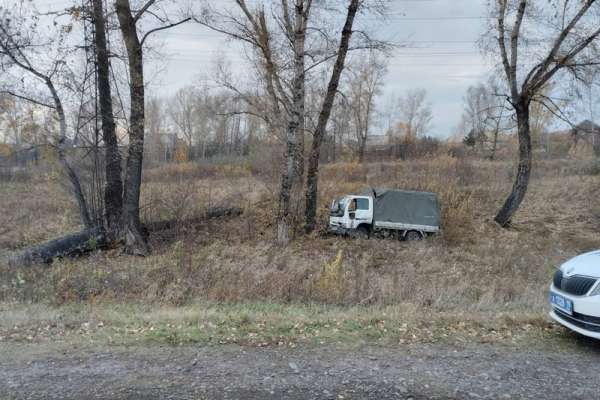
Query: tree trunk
point(519, 189)
point(17, 145)
point(298, 105)
point(135, 242)
point(494, 146)
point(293, 165)
point(62, 158)
point(312, 178)
point(68, 246)
point(287, 177)
point(496, 133)
point(362, 145)
point(113, 191)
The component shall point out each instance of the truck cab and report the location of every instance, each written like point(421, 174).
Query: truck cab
point(351, 213)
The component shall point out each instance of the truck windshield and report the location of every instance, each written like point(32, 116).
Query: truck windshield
point(337, 207)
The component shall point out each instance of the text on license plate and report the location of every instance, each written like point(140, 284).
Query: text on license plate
point(561, 303)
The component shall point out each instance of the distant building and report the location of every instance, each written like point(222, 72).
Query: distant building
point(377, 142)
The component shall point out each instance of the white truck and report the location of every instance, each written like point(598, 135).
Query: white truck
point(403, 214)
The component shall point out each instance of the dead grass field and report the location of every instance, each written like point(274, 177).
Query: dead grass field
point(473, 270)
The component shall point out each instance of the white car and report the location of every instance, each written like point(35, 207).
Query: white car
point(575, 294)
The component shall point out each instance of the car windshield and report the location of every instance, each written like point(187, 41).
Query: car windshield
point(338, 206)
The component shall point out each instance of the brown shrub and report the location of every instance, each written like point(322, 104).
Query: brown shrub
point(190, 170)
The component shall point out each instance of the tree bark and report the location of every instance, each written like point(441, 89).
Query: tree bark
point(285, 189)
point(68, 246)
point(293, 165)
point(362, 145)
point(113, 191)
point(298, 117)
point(519, 189)
point(312, 178)
point(135, 242)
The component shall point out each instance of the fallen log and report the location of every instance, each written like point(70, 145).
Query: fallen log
point(212, 212)
point(215, 212)
point(67, 246)
point(92, 239)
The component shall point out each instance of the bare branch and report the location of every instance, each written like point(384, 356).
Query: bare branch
point(162, 28)
point(27, 98)
point(142, 10)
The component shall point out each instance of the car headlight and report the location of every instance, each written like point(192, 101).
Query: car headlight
point(596, 291)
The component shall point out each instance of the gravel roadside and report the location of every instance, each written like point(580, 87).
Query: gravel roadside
point(232, 372)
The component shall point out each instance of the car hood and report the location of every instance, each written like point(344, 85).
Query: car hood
point(587, 264)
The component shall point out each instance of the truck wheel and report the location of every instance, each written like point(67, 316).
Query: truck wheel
point(361, 233)
point(412, 235)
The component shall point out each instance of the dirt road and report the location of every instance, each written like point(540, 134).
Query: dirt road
point(228, 372)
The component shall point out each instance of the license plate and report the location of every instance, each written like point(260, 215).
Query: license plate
point(562, 303)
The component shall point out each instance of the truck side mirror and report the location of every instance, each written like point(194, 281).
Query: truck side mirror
point(352, 215)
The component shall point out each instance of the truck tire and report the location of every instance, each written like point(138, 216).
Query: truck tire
point(362, 232)
point(412, 236)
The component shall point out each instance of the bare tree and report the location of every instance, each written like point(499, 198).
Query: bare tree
point(18, 42)
point(279, 45)
point(340, 127)
point(587, 92)
point(415, 113)
point(12, 118)
point(21, 126)
point(477, 108)
point(498, 115)
point(571, 28)
point(135, 242)
point(134, 239)
point(542, 115)
point(286, 54)
point(389, 113)
point(365, 82)
point(182, 111)
point(113, 198)
point(312, 179)
point(292, 171)
point(155, 149)
point(485, 116)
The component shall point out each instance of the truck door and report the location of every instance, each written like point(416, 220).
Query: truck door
point(360, 212)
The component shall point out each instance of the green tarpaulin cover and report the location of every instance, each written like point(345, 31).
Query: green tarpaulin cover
point(405, 207)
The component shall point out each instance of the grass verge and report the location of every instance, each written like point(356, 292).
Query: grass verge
point(268, 324)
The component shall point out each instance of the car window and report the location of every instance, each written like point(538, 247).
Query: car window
point(362, 204)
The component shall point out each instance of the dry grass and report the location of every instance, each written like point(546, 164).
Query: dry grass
point(472, 267)
point(260, 324)
point(34, 211)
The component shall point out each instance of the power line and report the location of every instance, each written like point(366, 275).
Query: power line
point(457, 18)
point(216, 35)
point(208, 52)
point(437, 64)
point(394, 64)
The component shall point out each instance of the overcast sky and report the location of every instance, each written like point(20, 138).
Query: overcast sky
point(442, 56)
